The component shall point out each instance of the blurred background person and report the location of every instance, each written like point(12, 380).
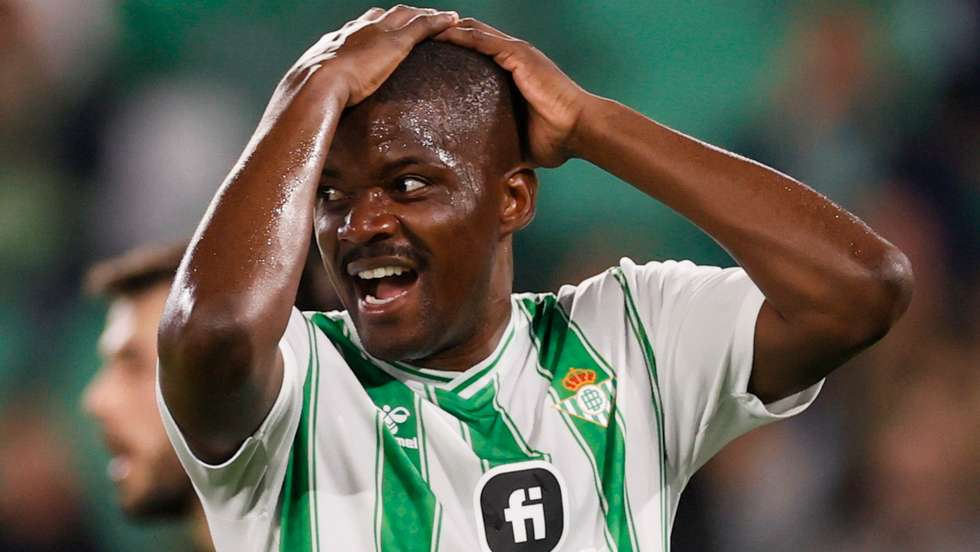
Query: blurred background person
point(151, 485)
point(150, 482)
point(118, 120)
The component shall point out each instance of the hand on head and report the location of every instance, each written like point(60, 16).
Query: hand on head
point(555, 102)
point(356, 59)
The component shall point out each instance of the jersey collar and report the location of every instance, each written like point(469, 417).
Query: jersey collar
point(462, 383)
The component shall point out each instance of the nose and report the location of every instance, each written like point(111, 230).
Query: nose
point(94, 398)
point(369, 219)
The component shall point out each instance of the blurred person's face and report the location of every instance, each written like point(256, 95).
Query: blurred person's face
point(122, 399)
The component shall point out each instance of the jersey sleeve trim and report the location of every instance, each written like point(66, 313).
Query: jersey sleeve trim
point(193, 464)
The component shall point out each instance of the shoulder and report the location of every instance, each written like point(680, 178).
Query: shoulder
point(648, 294)
point(626, 279)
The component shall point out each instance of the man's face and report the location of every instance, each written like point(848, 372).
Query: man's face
point(407, 222)
point(122, 399)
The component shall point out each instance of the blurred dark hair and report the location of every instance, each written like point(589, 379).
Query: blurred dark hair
point(135, 271)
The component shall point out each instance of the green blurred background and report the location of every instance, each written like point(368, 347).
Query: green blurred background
point(118, 120)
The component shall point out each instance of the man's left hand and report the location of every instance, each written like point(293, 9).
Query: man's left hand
point(555, 102)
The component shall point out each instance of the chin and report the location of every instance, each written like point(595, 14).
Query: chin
point(404, 339)
point(393, 346)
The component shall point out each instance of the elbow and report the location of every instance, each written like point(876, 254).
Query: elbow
point(203, 344)
point(898, 281)
point(883, 298)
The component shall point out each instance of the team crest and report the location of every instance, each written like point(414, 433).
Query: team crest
point(592, 401)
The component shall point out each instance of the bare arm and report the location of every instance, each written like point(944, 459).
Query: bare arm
point(220, 369)
point(832, 286)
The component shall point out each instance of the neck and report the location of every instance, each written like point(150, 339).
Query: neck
point(489, 327)
point(478, 347)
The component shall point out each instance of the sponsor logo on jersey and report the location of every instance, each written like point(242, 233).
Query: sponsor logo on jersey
point(521, 507)
point(591, 401)
point(393, 419)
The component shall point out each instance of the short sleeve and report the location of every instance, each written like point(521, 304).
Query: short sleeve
point(239, 495)
point(700, 321)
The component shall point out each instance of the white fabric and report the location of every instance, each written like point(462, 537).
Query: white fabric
point(700, 322)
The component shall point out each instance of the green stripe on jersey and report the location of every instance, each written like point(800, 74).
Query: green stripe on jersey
point(405, 504)
point(421, 373)
point(487, 427)
point(297, 525)
point(639, 331)
point(460, 386)
point(562, 347)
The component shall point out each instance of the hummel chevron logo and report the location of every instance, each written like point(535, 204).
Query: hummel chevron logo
point(393, 418)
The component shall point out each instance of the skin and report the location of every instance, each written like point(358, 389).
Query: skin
point(365, 209)
point(832, 285)
point(121, 397)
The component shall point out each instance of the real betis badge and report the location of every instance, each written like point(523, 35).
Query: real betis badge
point(592, 401)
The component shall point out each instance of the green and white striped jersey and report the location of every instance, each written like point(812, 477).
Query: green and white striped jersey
point(578, 433)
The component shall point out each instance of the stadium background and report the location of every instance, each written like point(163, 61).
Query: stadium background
point(119, 119)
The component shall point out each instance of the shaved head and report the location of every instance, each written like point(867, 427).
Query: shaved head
point(463, 95)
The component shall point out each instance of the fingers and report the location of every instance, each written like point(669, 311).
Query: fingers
point(397, 17)
point(372, 14)
point(475, 34)
point(476, 39)
point(471, 23)
point(367, 17)
point(426, 25)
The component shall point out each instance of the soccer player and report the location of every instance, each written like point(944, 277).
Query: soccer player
point(150, 481)
point(440, 411)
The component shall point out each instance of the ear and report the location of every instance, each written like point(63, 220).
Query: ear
point(519, 199)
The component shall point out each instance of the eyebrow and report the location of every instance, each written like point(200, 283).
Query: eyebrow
point(391, 166)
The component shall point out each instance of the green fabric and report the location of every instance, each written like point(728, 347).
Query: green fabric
point(562, 347)
point(407, 506)
point(296, 515)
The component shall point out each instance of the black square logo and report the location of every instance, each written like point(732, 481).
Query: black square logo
point(521, 507)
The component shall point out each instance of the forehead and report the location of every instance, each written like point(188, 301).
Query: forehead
point(132, 321)
point(432, 129)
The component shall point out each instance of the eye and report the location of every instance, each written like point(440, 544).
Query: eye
point(409, 184)
point(331, 194)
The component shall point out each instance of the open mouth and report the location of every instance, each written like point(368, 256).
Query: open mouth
point(120, 463)
point(380, 284)
point(119, 468)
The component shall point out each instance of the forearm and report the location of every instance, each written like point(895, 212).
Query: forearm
point(245, 261)
point(231, 298)
point(805, 253)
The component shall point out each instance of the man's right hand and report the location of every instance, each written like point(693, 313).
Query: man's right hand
point(353, 61)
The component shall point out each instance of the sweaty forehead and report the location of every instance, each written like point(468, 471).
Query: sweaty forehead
point(468, 84)
point(433, 125)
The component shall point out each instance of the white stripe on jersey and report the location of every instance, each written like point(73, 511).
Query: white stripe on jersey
point(432, 435)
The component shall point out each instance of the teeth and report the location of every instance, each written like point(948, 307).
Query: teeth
point(372, 300)
point(381, 272)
